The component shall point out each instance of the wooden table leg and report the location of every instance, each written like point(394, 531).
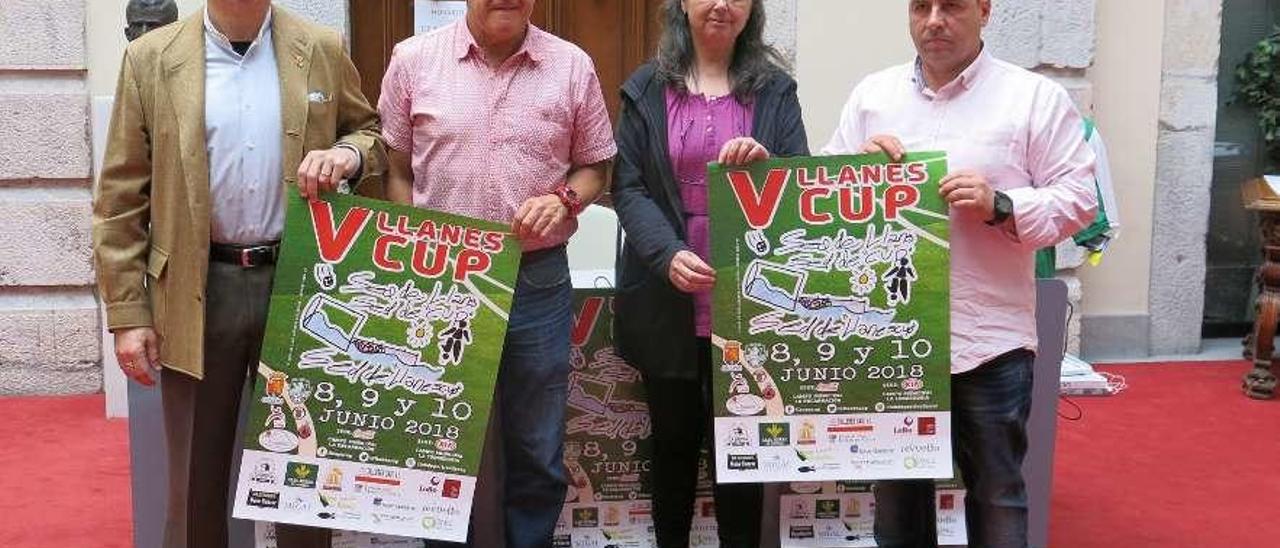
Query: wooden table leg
point(1247, 342)
point(1261, 382)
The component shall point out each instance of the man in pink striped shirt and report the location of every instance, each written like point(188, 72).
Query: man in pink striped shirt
point(492, 118)
point(1021, 179)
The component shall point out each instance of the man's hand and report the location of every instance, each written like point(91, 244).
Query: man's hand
point(690, 274)
point(742, 151)
point(321, 170)
point(968, 191)
point(887, 144)
point(138, 351)
point(539, 216)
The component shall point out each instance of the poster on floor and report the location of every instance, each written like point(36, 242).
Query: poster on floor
point(265, 537)
point(842, 514)
point(373, 392)
point(831, 319)
point(607, 440)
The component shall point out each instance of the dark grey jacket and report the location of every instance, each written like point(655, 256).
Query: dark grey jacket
point(653, 321)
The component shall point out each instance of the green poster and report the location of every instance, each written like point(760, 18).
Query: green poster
point(378, 367)
point(607, 446)
point(608, 450)
point(831, 319)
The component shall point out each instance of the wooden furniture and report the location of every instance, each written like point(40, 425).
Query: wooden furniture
point(1260, 383)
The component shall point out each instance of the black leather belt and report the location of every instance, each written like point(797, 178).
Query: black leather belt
point(245, 256)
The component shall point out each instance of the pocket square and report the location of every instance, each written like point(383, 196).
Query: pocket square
point(319, 97)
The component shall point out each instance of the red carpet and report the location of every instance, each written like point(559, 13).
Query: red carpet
point(64, 474)
point(1180, 459)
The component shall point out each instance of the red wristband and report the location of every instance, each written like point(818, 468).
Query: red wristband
point(570, 199)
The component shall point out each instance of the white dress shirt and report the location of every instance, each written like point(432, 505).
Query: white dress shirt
point(244, 136)
point(1021, 131)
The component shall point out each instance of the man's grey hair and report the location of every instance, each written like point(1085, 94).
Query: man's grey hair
point(151, 10)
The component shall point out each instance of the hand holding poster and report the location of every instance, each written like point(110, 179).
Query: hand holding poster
point(378, 368)
point(831, 321)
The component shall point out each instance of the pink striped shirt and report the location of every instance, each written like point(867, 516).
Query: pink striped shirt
point(1021, 131)
point(483, 140)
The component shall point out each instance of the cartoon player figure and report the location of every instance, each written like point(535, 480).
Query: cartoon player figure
point(276, 418)
point(898, 281)
point(577, 359)
point(325, 276)
point(739, 384)
point(454, 340)
point(758, 242)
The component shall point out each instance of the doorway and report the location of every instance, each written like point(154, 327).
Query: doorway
point(1233, 240)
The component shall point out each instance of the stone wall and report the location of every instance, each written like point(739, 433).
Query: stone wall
point(1184, 172)
point(49, 330)
point(50, 336)
point(780, 27)
point(330, 13)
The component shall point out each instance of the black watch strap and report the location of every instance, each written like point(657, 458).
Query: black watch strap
point(1003, 209)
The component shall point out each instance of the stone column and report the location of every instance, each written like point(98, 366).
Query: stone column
point(1056, 38)
point(330, 13)
point(1184, 173)
point(780, 27)
point(49, 338)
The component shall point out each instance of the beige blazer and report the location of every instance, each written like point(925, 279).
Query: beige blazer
point(151, 208)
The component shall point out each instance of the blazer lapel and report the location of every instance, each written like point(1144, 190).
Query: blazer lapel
point(183, 62)
point(293, 60)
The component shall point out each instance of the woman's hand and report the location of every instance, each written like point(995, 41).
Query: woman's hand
point(742, 151)
point(690, 274)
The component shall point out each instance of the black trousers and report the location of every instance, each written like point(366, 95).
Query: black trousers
point(200, 416)
point(681, 416)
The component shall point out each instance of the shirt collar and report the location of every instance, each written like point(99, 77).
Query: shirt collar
point(464, 44)
point(968, 77)
point(222, 40)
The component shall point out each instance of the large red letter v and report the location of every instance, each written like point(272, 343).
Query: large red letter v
point(585, 322)
point(335, 243)
point(759, 207)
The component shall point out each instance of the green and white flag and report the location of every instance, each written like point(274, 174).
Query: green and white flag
point(378, 366)
point(831, 319)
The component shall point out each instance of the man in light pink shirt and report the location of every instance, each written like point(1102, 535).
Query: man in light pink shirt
point(1021, 178)
point(493, 118)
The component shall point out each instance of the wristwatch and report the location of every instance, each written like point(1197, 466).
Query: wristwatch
point(570, 199)
point(1003, 209)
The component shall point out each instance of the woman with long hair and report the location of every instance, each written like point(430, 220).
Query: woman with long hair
point(714, 92)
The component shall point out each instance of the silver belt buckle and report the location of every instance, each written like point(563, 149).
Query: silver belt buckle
point(244, 257)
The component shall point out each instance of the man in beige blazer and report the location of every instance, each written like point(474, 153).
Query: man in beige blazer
point(216, 117)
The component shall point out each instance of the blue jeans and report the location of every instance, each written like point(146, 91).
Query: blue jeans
point(532, 390)
point(990, 406)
